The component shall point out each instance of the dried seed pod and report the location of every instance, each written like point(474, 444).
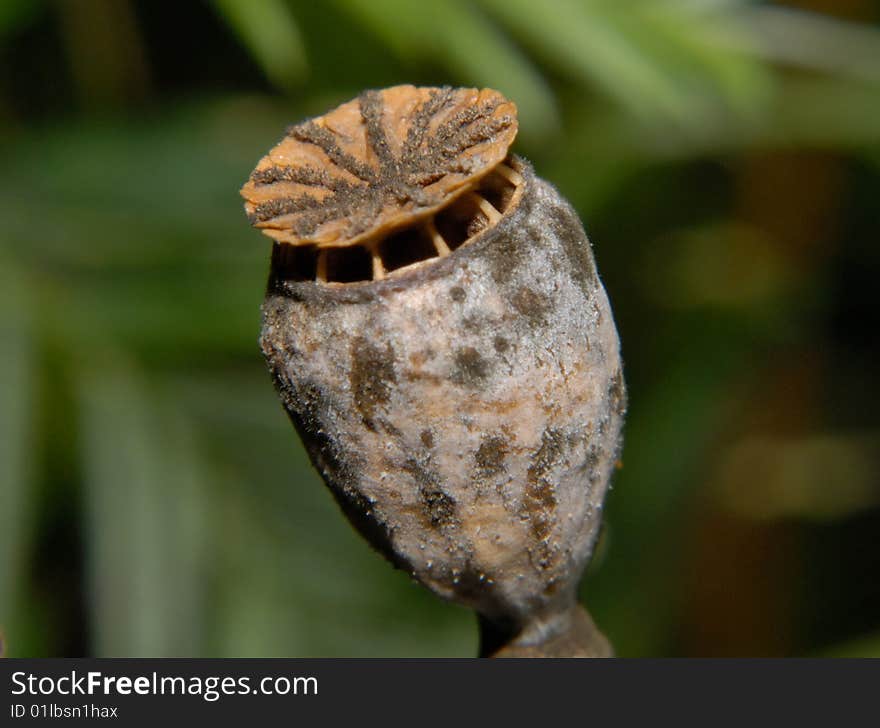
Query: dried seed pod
point(437, 332)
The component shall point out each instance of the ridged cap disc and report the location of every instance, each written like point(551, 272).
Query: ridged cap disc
point(377, 163)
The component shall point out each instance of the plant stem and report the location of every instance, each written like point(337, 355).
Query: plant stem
point(570, 633)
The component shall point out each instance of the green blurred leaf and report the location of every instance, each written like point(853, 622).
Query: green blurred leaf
point(269, 31)
point(606, 148)
point(583, 41)
point(116, 259)
point(867, 646)
point(16, 444)
point(701, 45)
point(463, 40)
point(144, 503)
point(813, 41)
point(292, 576)
point(666, 436)
point(15, 14)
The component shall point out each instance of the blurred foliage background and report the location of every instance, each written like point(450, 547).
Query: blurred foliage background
point(725, 157)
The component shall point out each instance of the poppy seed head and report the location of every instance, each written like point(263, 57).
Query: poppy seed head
point(464, 407)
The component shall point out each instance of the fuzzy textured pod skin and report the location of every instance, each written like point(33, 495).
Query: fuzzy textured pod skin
point(467, 415)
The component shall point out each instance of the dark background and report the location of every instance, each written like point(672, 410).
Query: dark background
point(725, 158)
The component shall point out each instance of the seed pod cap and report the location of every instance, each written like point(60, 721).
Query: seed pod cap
point(377, 162)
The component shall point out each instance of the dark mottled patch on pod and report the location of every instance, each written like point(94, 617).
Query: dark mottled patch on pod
point(439, 509)
point(539, 500)
point(548, 455)
point(507, 253)
point(457, 294)
point(539, 504)
point(594, 455)
point(617, 393)
point(489, 457)
point(469, 367)
point(581, 266)
point(309, 408)
point(473, 584)
point(372, 376)
point(427, 438)
point(472, 322)
point(532, 305)
point(501, 344)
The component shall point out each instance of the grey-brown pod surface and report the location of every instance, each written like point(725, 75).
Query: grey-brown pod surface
point(447, 354)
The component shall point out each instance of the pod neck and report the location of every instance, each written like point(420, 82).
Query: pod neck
point(567, 633)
